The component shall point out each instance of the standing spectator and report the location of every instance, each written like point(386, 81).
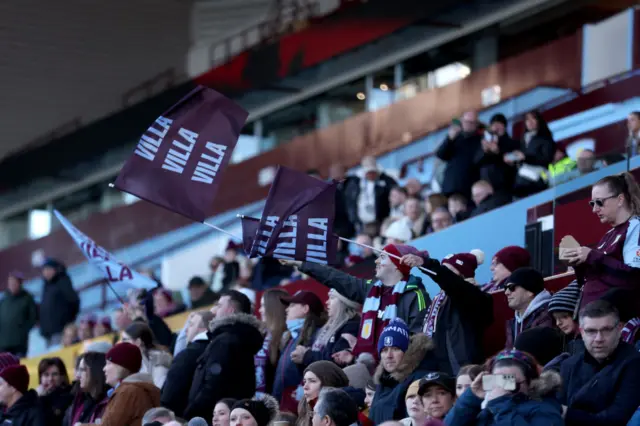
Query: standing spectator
point(226, 368)
point(158, 415)
point(459, 150)
point(54, 390)
point(18, 315)
point(164, 305)
point(222, 412)
point(614, 262)
point(466, 376)
point(486, 199)
point(215, 278)
point(601, 385)
point(504, 262)
point(318, 375)
point(231, 268)
point(534, 157)
point(342, 224)
point(200, 293)
point(257, 411)
point(60, 303)
point(367, 197)
point(22, 405)
point(633, 126)
point(527, 297)
point(155, 361)
point(144, 311)
point(175, 391)
point(335, 408)
point(440, 219)
point(438, 393)
point(121, 318)
point(91, 397)
point(274, 315)
point(490, 157)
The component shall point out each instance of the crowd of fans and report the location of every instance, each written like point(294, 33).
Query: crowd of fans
point(379, 351)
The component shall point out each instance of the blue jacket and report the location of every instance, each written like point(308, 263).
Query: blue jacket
point(288, 373)
point(507, 410)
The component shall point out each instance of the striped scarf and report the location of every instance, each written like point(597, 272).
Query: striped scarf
point(378, 310)
point(431, 319)
point(629, 330)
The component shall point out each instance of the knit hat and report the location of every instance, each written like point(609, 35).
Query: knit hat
point(397, 251)
point(513, 257)
point(358, 375)
point(439, 378)
point(465, 263)
point(329, 374)
point(7, 359)
point(543, 343)
point(350, 303)
point(126, 355)
point(306, 298)
point(263, 410)
point(527, 278)
point(399, 230)
point(396, 334)
point(17, 376)
point(412, 390)
point(566, 299)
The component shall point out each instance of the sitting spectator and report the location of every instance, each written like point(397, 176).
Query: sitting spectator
point(22, 407)
point(403, 360)
point(586, 161)
point(121, 318)
point(601, 386)
point(486, 199)
point(18, 315)
point(397, 197)
point(335, 408)
point(318, 375)
point(633, 126)
point(533, 159)
point(413, 188)
point(200, 293)
point(415, 216)
point(459, 150)
point(343, 318)
point(438, 394)
point(226, 368)
point(164, 305)
point(222, 412)
point(563, 168)
point(459, 207)
point(530, 402)
point(54, 390)
point(625, 303)
point(143, 310)
point(175, 392)
point(91, 397)
point(103, 327)
point(399, 232)
point(159, 414)
point(70, 335)
point(527, 297)
point(562, 306)
point(254, 412)
point(133, 393)
point(440, 219)
point(503, 264)
point(460, 313)
point(399, 294)
point(155, 361)
point(273, 312)
point(417, 416)
point(215, 277)
point(434, 202)
point(466, 376)
point(490, 157)
point(59, 304)
point(85, 327)
point(543, 343)
point(359, 250)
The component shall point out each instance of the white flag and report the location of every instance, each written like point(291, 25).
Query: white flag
point(114, 271)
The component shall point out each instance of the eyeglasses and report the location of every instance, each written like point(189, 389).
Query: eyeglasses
point(605, 331)
point(600, 201)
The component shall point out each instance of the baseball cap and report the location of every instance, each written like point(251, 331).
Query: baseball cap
point(306, 298)
point(437, 379)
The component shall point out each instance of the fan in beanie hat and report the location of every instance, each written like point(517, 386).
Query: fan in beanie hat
point(563, 305)
point(397, 251)
point(16, 376)
point(126, 355)
point(465, 264)
point(527, 278)
point(263, 409)
point(394, 335)
point(506, 261)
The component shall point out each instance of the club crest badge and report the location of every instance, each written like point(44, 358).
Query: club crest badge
point(366, 329)
point(388, 341)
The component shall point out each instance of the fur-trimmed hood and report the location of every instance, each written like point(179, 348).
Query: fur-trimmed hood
point(246, 328)
point(418, 347)
point(547, 384)
point(159, 358)
point(234, 319)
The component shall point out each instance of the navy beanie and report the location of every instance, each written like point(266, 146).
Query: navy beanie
point(396, 334)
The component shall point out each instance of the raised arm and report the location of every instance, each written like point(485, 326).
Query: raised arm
point(353, 288)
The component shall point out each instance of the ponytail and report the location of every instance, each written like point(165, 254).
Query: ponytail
point(624, 184)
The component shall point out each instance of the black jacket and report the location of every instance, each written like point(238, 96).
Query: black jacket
point(606, 393)
point(60, 304)
point(538, 152)
point(494, 201)
point(18, 315)
point(55, 404)
point(335, 344)
point(27, 411)
point(207, 299)
point(384, 183)
point(463, 318)
point(492, 167)
point(175, 392)
point(342, 224)
point(226, 369)
point(461, 172)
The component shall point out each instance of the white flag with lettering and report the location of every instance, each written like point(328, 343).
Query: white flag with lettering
point(115, 272)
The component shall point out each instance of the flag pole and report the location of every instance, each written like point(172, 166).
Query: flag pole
point(120, 299)
point(425, 270)
point(222, 230)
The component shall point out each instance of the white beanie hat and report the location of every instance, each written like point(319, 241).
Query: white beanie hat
point(399, 230)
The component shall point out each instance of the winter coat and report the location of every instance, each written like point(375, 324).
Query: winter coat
point(492, 202)
point(175, 392)
point(539, 408)
point(133, 397)
point(59, 306)
point(85, 409)
point(492, 167)
point(55, 404)
point(606, 393)
point(538, 153)
point(536, 315)
point(226, 368)
point(461, 171)
point(463, 318)
point(156, 363)
point(18, 315)
point(383, 186)
point(27, 411)
point(410, 306)
point(335, 344)
point(389, 403)
point(207, 299)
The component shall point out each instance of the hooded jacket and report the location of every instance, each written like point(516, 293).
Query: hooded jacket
point(60, 303)
point(538, 408)
point(226, 368)
point(133, 397)
point(25, 412)
point(389, 403)
point(536, 315)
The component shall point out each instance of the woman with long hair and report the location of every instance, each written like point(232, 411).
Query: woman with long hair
point(54, 389)
point(222, 411)
point(155, 360)
point(614, 262)
point(343, 319)
point(273, 312)
point(91, 399)
point(318, 375)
